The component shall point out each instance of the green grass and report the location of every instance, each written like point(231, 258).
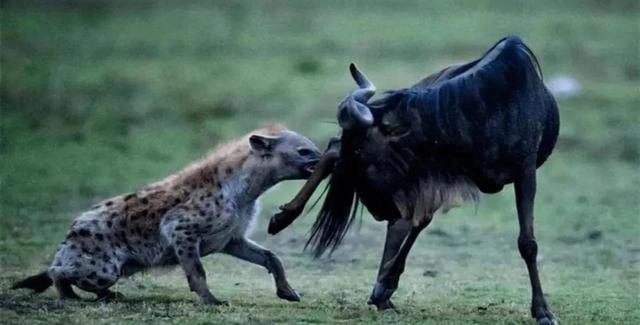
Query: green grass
point(102, 97)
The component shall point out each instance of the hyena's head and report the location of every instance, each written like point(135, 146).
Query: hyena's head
point(286, 154)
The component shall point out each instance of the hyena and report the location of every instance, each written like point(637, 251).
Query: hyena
point(208, 207)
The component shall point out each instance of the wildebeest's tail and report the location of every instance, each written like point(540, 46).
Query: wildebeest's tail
point(38, 283)
point(337, 212)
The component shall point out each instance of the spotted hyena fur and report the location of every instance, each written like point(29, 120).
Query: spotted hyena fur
point(207, 207)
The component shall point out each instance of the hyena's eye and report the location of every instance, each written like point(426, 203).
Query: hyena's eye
point(305, 152)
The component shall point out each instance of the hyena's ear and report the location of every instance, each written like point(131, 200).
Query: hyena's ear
point(262, 143)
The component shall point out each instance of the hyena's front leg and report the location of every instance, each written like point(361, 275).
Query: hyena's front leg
point(186, 249)
point(249, 251)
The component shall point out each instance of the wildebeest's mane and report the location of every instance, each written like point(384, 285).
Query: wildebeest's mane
point(499, 51)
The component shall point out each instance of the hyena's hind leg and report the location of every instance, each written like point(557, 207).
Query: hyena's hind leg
point(99, 281)
point(100, 288)
point(89, 282)
point(92, 271)
point(65, 290)
point(249, 251)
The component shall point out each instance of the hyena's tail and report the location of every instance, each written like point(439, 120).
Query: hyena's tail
point(38, 283)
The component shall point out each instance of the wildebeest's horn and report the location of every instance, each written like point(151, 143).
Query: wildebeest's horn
point(353, 111)
point(367, 88)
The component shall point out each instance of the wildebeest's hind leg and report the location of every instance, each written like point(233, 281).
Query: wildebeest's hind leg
point(401, 234)
point(249, 251)
point(525, 189)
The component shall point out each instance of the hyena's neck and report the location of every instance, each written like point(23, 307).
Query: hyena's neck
point(237, 177)
point(247, 184)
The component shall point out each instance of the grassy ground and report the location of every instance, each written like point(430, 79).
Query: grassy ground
point(101, 97)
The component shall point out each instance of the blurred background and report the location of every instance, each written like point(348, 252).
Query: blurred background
point(101, 97)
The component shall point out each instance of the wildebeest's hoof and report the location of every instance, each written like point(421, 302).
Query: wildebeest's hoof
point(544, 316)
point(382, 305)
point(549, 319)
point(381, 293)
point(221, 303)
point(284, 218)
point(381, 297)
point(287, 294)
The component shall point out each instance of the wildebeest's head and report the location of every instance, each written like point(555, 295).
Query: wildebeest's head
point(379, 132)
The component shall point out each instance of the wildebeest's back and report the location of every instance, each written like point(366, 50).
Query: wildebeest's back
point(490, 114)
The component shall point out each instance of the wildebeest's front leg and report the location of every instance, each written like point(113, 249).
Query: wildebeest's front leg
point(251, 252)
point(397, 231)
point(401, 234)
point(525, 188)
point(290, 211)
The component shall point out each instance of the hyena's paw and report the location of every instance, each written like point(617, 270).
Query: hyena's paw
point(109, 296)
point(211, 300)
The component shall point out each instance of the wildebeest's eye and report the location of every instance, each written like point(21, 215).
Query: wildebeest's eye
point(394, 130)
point(391, 126)
point(305, 152)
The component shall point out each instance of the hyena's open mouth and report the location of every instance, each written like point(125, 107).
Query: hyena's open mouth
point(310, 167)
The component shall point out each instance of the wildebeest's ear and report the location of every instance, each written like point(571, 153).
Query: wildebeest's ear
point(262, 143)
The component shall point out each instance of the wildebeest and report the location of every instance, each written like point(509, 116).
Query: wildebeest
point(467, 129)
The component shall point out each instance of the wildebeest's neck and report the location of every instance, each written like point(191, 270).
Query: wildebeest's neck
point(422, 121)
